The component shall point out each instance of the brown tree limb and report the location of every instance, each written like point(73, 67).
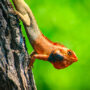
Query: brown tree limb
point(13, 54)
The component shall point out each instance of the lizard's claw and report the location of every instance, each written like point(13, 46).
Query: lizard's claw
point(29, 67)
point(16, 12)
point(30, 64)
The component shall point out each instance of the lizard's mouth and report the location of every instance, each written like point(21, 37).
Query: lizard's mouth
point(62, 64)
point(60, 60)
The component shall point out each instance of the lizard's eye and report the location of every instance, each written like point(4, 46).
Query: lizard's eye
point(69, 52)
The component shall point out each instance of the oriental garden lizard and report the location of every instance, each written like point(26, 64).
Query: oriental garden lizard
point(58, 55)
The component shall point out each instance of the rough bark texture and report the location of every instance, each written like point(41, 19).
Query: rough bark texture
point(13, 54)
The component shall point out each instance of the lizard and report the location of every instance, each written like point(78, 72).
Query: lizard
point(57, 54)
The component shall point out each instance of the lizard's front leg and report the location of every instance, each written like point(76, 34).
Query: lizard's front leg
point(37, 56)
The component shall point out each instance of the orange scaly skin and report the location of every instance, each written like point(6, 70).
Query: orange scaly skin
point(44, 49)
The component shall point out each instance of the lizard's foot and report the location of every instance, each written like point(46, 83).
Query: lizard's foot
point(16, 12)
point(32, 59)
point(28, 68)
point(30, 65)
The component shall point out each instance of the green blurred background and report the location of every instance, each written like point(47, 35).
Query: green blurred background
point(67, 22)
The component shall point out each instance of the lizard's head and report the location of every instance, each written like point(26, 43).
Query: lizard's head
point(62, 58)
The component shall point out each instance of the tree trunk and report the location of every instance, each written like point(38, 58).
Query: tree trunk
point(13, 53)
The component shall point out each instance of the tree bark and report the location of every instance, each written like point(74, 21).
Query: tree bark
point(14, 58)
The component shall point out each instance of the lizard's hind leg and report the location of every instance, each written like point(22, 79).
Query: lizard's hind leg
point(37, 56)
point(25, 18)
